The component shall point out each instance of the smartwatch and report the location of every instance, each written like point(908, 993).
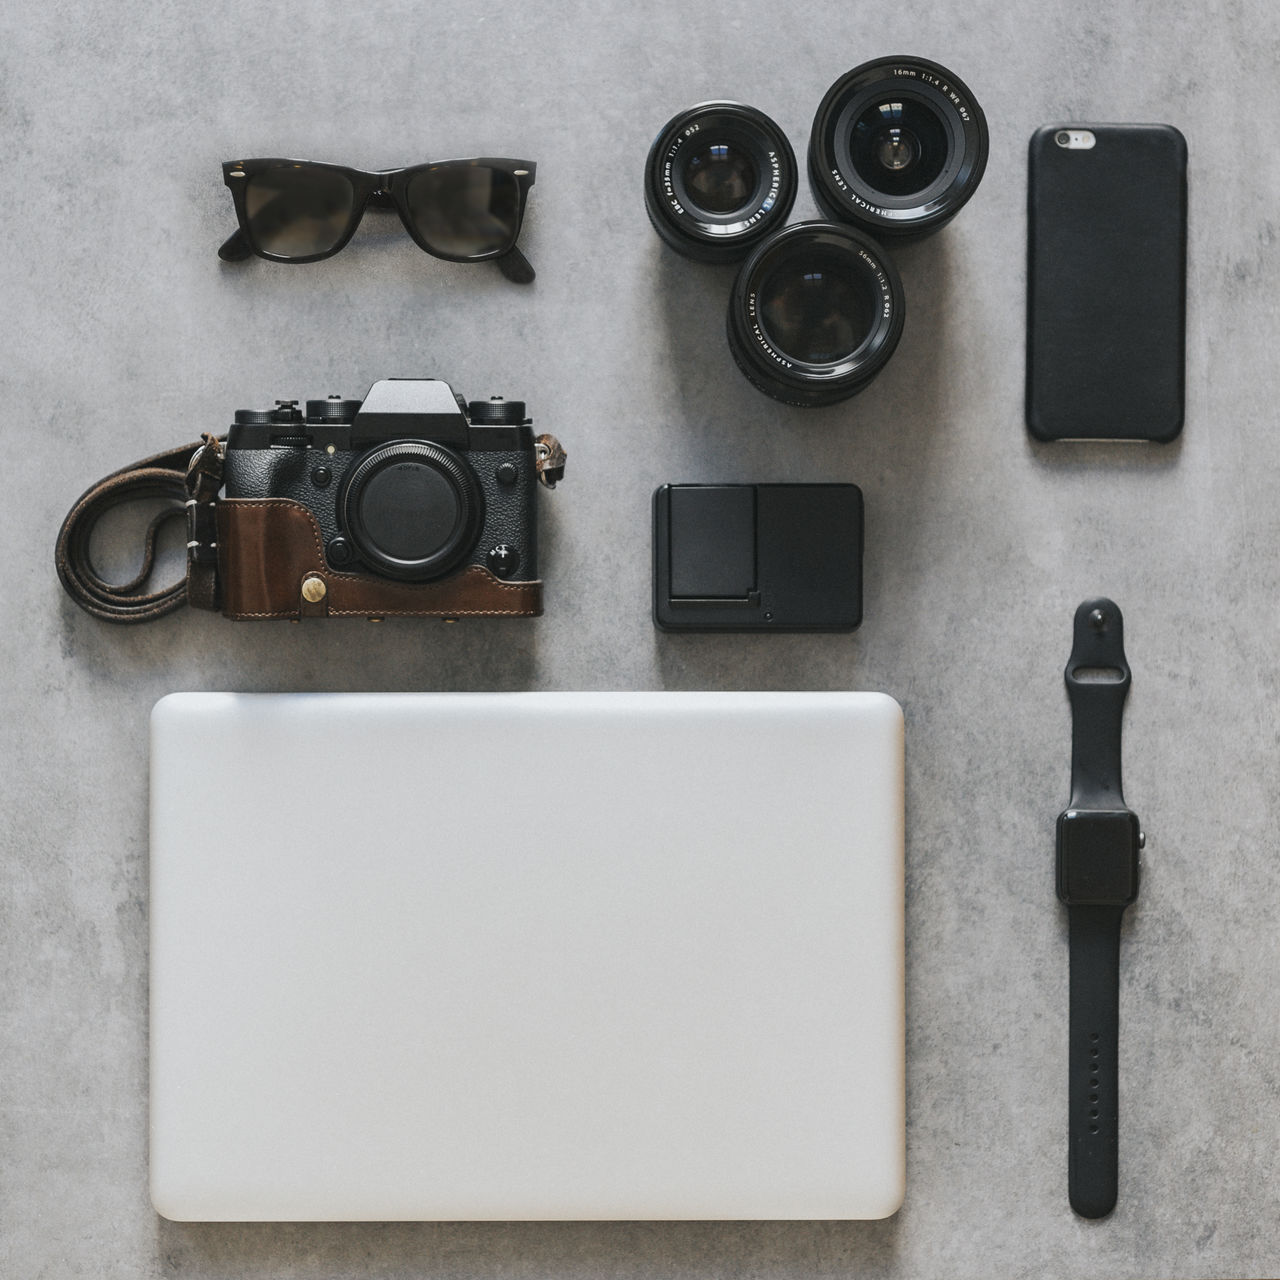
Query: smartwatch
point(1098, 844)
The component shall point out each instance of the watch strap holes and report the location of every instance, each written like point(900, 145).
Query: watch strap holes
point(1098, 675)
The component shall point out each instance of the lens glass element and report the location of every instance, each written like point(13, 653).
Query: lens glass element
point(816, 307)
point(815, 314)
point(899, 147)
point(720, 177)
point(896, 150)
point(297, 211)
point(465, 211)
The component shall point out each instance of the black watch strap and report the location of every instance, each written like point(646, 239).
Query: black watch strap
point(1097, 704)
point(1096, 883)
point(1093, 1165)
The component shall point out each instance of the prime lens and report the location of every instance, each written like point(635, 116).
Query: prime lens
point(815, 314)
point(898, 146)
point(719, 178)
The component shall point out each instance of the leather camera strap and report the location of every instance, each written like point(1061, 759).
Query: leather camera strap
point(187, 479)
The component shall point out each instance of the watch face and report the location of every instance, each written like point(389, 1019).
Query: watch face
point(1098, 857)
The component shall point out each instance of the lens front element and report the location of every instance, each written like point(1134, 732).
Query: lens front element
point(816, 308)
point(720, 177)
point(899, 148)
point(815, 314)
point(896, 150)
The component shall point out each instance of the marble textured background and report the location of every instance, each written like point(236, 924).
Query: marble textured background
point(125, 334)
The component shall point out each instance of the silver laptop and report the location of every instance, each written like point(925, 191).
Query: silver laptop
point(527, 956)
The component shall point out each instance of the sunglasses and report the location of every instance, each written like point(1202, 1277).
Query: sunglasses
point(303, 210)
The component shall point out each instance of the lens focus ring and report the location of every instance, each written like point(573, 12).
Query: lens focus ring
point(719, 178)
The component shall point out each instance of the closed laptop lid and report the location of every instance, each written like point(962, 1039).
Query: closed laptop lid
point(527, 956)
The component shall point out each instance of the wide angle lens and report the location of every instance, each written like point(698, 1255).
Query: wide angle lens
point(815, 314)
point(898, 146)
point(719, 178)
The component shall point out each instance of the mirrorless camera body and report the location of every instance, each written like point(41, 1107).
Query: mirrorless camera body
point(410, 502)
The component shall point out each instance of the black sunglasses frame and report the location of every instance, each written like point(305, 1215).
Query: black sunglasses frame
point(380, 189)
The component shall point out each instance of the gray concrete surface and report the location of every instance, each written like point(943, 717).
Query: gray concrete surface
point(125, 334)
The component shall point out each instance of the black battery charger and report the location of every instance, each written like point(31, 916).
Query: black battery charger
point(757, 557)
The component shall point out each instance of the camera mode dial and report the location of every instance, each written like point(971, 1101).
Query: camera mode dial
point(496, 412)
point(334, 409)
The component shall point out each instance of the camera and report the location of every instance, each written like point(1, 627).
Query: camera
point(411, 502)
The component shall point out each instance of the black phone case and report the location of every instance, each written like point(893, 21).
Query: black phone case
point(1106, 284)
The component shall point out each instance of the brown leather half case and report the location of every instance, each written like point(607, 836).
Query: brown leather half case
point(271, 565)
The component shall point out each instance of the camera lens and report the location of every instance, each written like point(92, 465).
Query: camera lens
point(815, 314)
point(411, 508)
point(718, 179)
point(896, 149)
point(898, 146)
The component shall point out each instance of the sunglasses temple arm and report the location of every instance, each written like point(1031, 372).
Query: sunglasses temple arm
point(515, 266)
point(235, 248)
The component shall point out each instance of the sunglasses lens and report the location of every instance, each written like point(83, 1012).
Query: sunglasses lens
point(465, 210)
point(296, 212)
